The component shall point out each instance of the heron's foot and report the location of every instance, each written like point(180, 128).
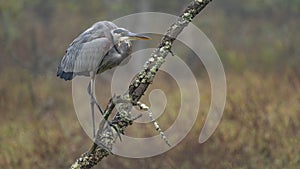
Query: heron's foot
point(106, 134)
point(111, 127)
point(172, 53)
point(118, 130)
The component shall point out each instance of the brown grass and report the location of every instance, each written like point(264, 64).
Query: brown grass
point(260, 127)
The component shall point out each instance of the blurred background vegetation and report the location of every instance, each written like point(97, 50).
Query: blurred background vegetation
point(257, 42)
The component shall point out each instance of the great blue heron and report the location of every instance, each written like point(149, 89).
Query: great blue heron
point(99, 48)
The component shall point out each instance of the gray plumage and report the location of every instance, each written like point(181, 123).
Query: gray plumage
point(95, 50)
point(101, 47)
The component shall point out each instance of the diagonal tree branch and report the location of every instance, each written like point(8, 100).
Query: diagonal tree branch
point(107, 135)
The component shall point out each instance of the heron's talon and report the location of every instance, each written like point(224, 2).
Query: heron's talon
point(110, 124)
point(115, 127)
point(172, 53)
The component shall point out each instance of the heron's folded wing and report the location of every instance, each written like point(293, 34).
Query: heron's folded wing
point(91, 55)
point(84, 58)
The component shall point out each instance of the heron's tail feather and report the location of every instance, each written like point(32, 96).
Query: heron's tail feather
point(65, 75)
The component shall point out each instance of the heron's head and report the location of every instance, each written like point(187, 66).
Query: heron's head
point(121, 34)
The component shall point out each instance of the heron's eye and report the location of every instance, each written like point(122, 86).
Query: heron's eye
point(118, 31)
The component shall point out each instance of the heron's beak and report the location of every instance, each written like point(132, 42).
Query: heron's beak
point(137, 36)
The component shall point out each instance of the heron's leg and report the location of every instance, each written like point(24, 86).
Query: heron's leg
point(93, 100)
point(91, 93)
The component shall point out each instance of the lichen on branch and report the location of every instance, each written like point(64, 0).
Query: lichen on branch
point(107, 135)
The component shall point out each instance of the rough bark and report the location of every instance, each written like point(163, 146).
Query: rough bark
point(106, 134)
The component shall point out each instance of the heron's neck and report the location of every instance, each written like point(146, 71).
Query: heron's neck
point(122, 46)
point(113, 39)
point(116, 46)
point(115, 43)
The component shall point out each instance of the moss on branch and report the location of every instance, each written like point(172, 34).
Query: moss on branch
point(106, 136)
